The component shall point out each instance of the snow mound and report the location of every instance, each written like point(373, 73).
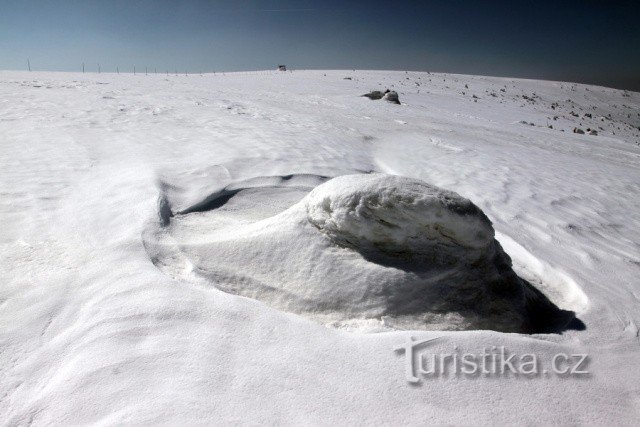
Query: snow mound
point(365, 252)
point(399, 216)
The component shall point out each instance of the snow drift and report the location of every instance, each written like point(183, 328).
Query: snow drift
point(367, 252)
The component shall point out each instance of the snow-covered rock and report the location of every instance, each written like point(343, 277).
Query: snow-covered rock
point(399, 216)
point(373, 248)
point(387, 95)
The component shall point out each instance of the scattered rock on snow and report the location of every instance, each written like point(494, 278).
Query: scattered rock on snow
point(578, 130)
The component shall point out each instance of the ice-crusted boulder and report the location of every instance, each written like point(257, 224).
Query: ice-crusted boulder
point(399, 217)
point(376, 250)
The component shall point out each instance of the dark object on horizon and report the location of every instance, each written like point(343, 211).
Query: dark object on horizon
point(282, 68)
point(578, 131)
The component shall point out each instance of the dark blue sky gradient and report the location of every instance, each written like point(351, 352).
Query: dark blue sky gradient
point(586, 41)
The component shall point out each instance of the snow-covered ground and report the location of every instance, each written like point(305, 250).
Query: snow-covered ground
point(104, 317)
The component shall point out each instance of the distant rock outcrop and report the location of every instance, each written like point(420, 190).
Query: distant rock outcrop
point(387, 95)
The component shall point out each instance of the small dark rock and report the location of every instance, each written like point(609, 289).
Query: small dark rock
point(373, 95)
point(392, 96)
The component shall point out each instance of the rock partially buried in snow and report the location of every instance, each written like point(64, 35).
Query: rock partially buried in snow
point(392, 97)
point(381, 249)
point(374, 95)
point(387, 95)
point(399, 217)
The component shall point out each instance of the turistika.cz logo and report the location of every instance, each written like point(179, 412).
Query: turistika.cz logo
point(491, 362)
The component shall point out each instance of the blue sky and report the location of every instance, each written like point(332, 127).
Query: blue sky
point(587, 41)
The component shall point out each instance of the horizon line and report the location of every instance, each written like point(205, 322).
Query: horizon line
point(182, 73)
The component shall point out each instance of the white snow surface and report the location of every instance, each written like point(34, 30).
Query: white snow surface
point(101, 323)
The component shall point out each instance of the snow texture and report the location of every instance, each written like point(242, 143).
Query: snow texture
point(156, 235)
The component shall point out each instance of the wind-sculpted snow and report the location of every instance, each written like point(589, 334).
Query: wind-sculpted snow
point(121, 307)
point(367, 252)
